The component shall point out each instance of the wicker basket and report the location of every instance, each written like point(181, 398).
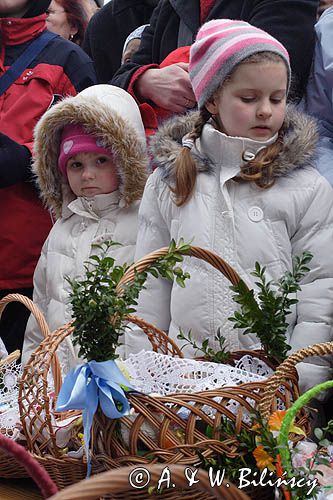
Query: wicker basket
point(158, 413)
point(9, 466)
point(116, 485)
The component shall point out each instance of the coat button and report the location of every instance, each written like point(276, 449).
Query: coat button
point(248, 156)
point(255, 214)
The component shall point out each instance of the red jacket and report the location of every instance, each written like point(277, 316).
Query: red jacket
point(61, 69)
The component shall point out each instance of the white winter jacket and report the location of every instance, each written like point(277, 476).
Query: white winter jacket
point(112, 115)
point(67, 248)
point(243, 224)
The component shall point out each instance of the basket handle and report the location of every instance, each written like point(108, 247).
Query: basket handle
point(285, 368)
point(289, 417)
point(30, 464)
point(16, 297)
point(13, 356)
point(200, 253)
point(117, 481)
point(160, 341)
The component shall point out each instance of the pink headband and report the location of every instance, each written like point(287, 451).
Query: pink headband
point(75, 140)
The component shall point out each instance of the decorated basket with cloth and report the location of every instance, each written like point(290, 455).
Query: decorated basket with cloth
point(170, 428)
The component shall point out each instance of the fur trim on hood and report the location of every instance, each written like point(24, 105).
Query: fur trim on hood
point(110, 114)
point(300, 139)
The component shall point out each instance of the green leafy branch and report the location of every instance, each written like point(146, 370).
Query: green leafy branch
point(267, 317)
point(220, 356)
point(99, 312)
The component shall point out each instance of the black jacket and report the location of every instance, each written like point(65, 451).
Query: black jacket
point(290, 21)
point(108, 30)
point(37, 7)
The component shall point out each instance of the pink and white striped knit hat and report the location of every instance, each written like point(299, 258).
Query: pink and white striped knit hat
point(220, 45)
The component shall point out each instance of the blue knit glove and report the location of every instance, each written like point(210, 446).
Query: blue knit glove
point(15, 162)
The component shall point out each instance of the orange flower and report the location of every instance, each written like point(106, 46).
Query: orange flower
point(275, 422)
point(263, 459)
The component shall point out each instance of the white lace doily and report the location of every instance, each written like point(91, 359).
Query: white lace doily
point(9, 411)
point(152, 372)
point(252, 364)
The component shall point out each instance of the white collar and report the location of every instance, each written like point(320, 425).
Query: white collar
point(228, 151)
point(96, 206)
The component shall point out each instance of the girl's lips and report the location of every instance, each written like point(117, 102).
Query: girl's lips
point(89, 189)
point(261, 130)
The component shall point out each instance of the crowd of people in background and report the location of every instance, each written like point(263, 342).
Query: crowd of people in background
point(145, 120)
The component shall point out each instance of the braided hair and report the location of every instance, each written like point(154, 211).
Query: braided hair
point(186, 170)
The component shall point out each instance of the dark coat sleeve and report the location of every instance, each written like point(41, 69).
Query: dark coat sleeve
point(144, 55)
point(290, 21)
point(14, 162)
point(107, 32)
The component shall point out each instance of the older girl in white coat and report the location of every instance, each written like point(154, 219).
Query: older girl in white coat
point(236, 177)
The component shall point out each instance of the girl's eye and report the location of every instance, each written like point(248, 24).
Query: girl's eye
point(276, 100)
point(248, 99)
point(75, 165)
point(101, 160)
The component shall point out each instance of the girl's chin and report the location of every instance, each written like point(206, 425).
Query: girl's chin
point(261, 133)
point(90, 192)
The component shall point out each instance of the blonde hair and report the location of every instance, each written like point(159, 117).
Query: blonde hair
point(259, 170)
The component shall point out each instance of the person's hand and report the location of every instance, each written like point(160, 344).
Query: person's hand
point(169, 87)
point(14, 162)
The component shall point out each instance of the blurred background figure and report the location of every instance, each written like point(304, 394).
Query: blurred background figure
point(318, 100)
point(92, 6)
point(68, 18)
point(132, 43)
point(323, 5)
point(108, 30)
point(175, 23)
point(56, 70)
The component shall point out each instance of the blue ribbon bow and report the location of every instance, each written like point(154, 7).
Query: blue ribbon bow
point(90, 384)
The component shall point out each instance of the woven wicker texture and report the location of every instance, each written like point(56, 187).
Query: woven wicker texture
point(116, 485)
point(285, 367)
point(156, 432)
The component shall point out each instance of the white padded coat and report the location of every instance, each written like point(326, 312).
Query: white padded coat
point(244, 224)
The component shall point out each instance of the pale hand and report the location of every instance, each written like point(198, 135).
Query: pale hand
point(169, 88)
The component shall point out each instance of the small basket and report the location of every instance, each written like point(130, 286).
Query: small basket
point(117, 486)
point(9, 466)
point(158, 413)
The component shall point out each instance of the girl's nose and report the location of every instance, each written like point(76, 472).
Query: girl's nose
point(88, 173)
point(264, 110)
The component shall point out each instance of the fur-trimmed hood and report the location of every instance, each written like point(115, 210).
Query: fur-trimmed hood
point(113, 116)
point(300, 139)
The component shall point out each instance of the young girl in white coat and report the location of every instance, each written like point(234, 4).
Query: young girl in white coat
point(236, 178)
point(90, 164)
